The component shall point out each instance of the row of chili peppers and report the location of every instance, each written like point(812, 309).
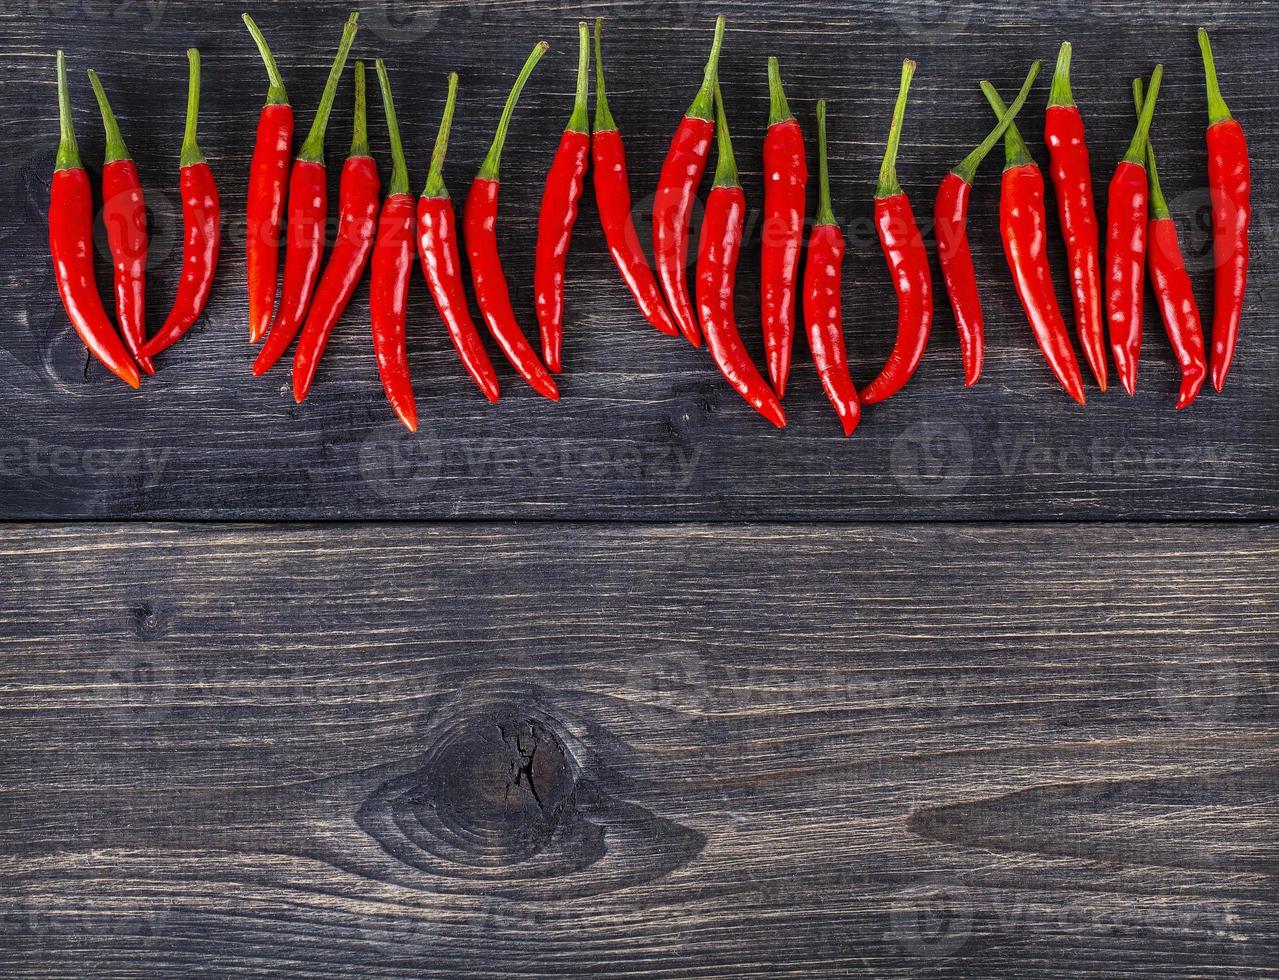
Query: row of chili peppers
point(1139, 231)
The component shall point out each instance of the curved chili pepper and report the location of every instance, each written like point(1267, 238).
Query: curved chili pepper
point(202, 227)
point(1172, 285)
point(124, 212)
point(442, 265)
point(1072, 180)
point(71, 247)
point(564, 183)
point(903, 248)
point(358, 200)
point(479, 223)
point(307, 220)
point(785, 194)
point(717, 254)
point(823, 298)
point(613, 199)
point(1230, 185)
point(1126, 215)
point(1023, 226)
point(392, 267)
point(268, 173)
point(951, 222)
point(676, 189)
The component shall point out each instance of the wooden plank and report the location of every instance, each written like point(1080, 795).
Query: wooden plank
point(646, 430)
point(459, 750)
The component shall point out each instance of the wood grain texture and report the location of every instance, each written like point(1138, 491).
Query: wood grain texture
point(468, 750)
point(647, 430)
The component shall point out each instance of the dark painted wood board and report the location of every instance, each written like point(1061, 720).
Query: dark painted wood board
point(481, 750)
point(646, 430)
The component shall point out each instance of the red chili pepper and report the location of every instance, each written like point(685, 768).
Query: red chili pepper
point(613, 199)
point(823, 296)
point(268, 174)
point(951, 222)
point(677, 188)
point(442, 265)
point(1172, 285)
point(479, 223)
point(201, 223)
point(785, 193)
point(1023, 225)
point(1126, 217)
point(1072, 180)
point(717, 255)
point(564, 184)
point(71, 247)
point(392, 267)
point(1230, 184)
point(307, 221)
point(124, 212)
point(903, 247)
point(358, 201)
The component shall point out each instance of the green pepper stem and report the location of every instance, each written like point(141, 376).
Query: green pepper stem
point(1158, 203)
point(68, 151)
point(313, 149)
point(490, 169)
point(1061, 94)
point(825, 214)
point(580, 120)
point(191, 152)
point(399, 169)
point(703, 106)
point(888, 185)
point(967, 169)
point(275, 95)
point(360, 129)
point(603, 118)
point(778, 108)
point(116, 150)
point(1016, 152)
point(435, 176)
point(726, 164)
point(1218, 111)
point(1137, 148)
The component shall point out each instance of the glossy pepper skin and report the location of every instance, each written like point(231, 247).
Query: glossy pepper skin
point(124, 213)
point(268, 180)
point(1068, 164)
point(71, 247)
point(442, 263)
point(1230, 185)
point(479, 227)
point(201, 228)
point(1127, 215)
point(950, 222)
point(903, 248)
point(1168, 276)
point(358, 199)
point(677, 189)
point(558, 215)
point(717, 256)
point(1023, 226)
point(308, 215)
point(823, 297)
point(613, 200)
point(392, 270)
point(785, 203)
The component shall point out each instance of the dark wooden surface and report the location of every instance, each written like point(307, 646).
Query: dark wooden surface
point(646, 430)
point(430, 751)
point(633, 684)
